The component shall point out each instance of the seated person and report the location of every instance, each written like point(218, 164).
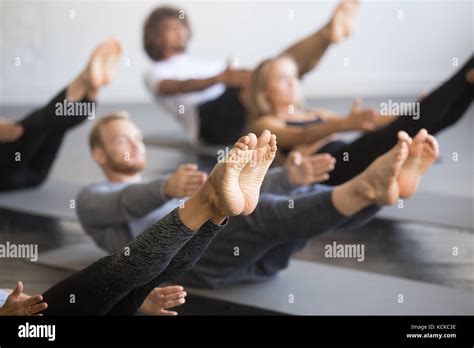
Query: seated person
point(208, 97)
point(119, 283)
point(286, 217)
point(29, 147)
point(277, 106)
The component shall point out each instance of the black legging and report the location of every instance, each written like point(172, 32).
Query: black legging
point(43, 133)
point(118, 284)
point(439, 110)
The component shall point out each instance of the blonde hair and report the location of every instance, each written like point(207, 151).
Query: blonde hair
point(260, 105)
point(95, 137)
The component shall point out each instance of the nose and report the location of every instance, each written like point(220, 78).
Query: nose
point(134, 143)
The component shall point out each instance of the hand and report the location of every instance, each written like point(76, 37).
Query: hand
point(358, 119)
point(9, 131)
point(184, 181)
point(307, 170)
point(21, 304)
point(161, 299)
point(240, 78)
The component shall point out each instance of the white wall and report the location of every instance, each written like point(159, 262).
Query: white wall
point(387, 55)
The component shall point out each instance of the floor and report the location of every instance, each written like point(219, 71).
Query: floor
point(414, 248)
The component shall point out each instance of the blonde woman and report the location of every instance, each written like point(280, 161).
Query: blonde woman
point(277, 105)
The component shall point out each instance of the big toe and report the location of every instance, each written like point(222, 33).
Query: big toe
point(252, 141)
point(421, 136)
point(264, 139)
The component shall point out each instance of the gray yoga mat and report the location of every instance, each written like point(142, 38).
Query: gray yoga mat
point(307, 288)
point(73, 257)
point(434, 208)
point(53, 199)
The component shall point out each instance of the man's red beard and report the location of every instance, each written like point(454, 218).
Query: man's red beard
point(126, 168)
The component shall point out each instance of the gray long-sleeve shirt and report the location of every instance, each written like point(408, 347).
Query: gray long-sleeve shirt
point(115, 213)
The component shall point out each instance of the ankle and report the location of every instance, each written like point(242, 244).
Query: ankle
point(196, 211)
point(363, 189)
point(76, 90)
point(351, 197)
point(208, 199)
point(92, 93)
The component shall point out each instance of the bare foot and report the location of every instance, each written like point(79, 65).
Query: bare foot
point(252, 175)
point(340, 25)
point(236, 180)
point(422, 152)
point(99, 71)
point(102, 64)
point(378, 183)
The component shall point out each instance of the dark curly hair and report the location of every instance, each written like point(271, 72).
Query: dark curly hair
point(153, 25)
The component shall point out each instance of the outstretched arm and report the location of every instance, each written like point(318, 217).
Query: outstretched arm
point(298, 170)
point(290, 136)
point(171, 87)
point(229, 77)
point(100, 206)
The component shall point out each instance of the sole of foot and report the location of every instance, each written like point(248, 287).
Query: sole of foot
point(340, 25)
point(422, 153)
point(379, 181)
point(102, 64)
point(236, 179)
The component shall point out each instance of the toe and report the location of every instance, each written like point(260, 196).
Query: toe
point(421, 136)
point(431, 140)
point(252, 141)
point(273, 142)
point(242, 143)
point(264, 138)
point(403, 136)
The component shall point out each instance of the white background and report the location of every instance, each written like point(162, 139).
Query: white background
point(387, 55)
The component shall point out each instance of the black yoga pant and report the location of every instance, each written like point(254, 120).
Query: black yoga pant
point(222, 120)
point(440, 109)
point(27, 161)
point(118, 283)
